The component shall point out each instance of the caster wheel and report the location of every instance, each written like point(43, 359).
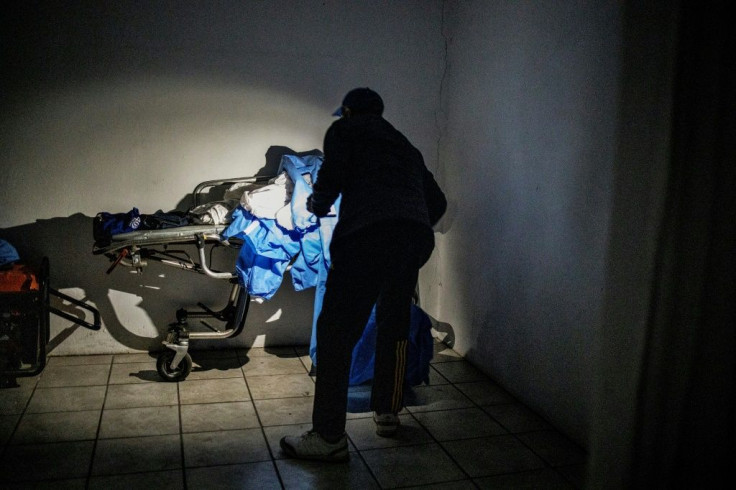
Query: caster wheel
point(163, 366)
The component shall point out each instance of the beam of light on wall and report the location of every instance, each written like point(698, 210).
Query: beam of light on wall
point(142, 143)
point(131, 313)
point(275, 317)
point(259, 341)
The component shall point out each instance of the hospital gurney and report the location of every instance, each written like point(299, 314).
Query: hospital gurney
point(137, 249)
point(274, 234)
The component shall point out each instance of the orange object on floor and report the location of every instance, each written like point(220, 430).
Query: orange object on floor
point(18, 278)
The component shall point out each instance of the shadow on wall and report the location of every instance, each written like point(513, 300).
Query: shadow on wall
point(136, 309)
point(274, 154)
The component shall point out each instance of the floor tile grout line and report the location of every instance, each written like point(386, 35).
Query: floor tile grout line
point(181, 437)
point(365, 463)
point(515, 401)
point(547, 464)
point(6, 444)
point(260, 425)
point(516, 434)
point(99, 427)
point(508, 433)
point(439, 444)
point(508, 430)
point(476, 405)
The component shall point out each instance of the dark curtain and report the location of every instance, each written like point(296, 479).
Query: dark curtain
point(684, 432)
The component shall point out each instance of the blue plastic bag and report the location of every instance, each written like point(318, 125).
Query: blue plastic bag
point(419, 350)
point(8, 253)
point(266, 252)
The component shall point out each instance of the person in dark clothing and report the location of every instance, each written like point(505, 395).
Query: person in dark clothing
point(390, 201)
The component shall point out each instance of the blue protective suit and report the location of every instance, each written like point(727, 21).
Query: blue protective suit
point(268, 248)
point(266, 252)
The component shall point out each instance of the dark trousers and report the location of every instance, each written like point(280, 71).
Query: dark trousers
point(376, 266)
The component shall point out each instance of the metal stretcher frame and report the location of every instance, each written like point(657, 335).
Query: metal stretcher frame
point(137, 248)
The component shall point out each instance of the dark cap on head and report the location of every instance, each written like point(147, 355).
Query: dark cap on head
point(361, 101)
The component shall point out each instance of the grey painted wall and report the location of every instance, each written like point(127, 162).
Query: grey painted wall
point(111, 105)
point(528, 162)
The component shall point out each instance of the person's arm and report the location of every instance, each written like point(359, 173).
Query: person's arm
point(329, 177)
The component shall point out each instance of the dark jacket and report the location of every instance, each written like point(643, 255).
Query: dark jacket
point(381, 176)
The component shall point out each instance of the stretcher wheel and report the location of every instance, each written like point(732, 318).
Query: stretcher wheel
point(163, 366)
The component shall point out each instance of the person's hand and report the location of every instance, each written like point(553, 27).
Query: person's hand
point(315, 208)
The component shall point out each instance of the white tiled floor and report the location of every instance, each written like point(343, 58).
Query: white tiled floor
point(109, 422)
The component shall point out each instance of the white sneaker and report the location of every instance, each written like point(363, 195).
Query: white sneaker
point(311, 445)
point(386, 423)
